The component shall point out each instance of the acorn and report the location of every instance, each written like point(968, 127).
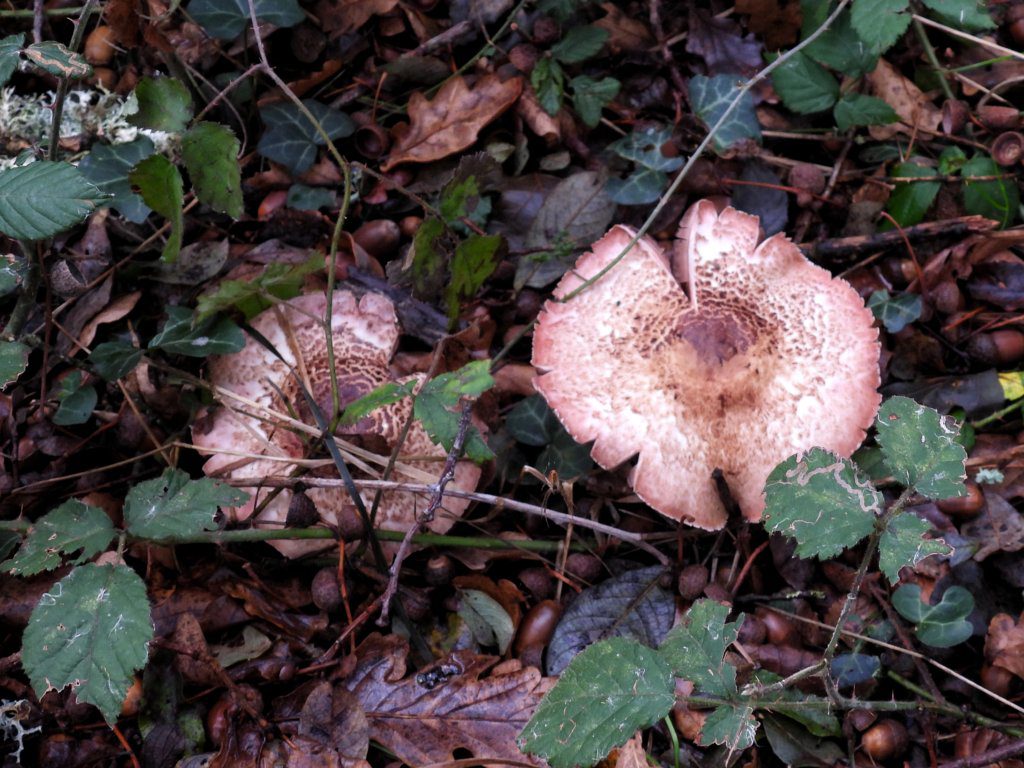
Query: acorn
point(954, 116)
point(1008, 148)
point(996, 117)
point(998, 347)
point(409, 225)
point(324, 589)
point(99, 46)
point(438, 571)
point(692, 581)
point(885, 740)
point(379, 238)
point(537, 626)
point(964, 507)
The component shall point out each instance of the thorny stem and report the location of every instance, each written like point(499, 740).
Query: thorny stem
point(929, 52)
point(62, 88)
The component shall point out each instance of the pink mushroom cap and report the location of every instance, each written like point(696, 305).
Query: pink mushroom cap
point(761, 355)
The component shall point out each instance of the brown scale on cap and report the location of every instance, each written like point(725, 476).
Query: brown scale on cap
point(365, 332)
point(761, 355)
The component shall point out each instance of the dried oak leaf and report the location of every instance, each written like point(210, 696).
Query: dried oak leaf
point(464, 709)
point(340, 17)
point(1004, 644)
point(451, 121)
point(908, 101)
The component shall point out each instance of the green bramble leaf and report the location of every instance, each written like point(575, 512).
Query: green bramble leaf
point(225, 19)
point(58, 60)
point(590, 96)
point(164, 105)
point(839, 47)
point(114, 360)
point(386, 394)
point(173, 505)
point(436, 407)
point(605, 694)
point(695, 649)
point(548, 81)
point(474, 261)
point(290, 138)
point(895, 312)
point(108, 165)
point(71, 527)
point(855, 109)
point(213, 336)
point(580, 44)
point(971, 15)
point(13, 361)
point(804, 85)
point(710, 97)
point(994, 198)
point(44, 198)
point(77, 401)
point(250, 297)
point(822, 501)
point(880, 23)
point(158, 181)
point(428, 262)
point(210, 154)
point(91, 631)
point(731, 725)
point(920, 448)
point(903, 544)
point(941, 626)
point(10, 53)
point(910, 200)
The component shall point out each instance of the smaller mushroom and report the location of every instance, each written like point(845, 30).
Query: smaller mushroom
point(258, 384)
point(761, 356)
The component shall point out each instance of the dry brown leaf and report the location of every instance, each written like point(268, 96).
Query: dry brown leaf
point(464, 707)
point(624, 32)
point(908, 101)
point(340, 17)
point(115, 310)
point(777, 22)
point(451, 121)
point(1004, 644)
point(632, 754)
point(999, 528)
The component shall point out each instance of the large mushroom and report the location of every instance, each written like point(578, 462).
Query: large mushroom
point(761, 355)
point(257, 388)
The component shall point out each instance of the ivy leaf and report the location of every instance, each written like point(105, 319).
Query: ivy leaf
point(210, 154)
point(804, 85)
point(639, 188)
point(214, 336)
point(107, 166)
point(643, 147)
point(994, 198)
point(822, 501)
point(114, 360)
point(304, 198)
point(920, 448)
point(532, 422)
point(13, 361)
point(58, 60)
point(71, 527)
point(965, 14)
point(41, 199)
point(695, 649)
point(580, 44)
point(386, 394)
point(895, 312)
point(903, 544)
point(548, 81)
point(225, 19)
point(910, 200)
point(710, 97)
point(731, 725)
point(290, 139)
point(164, 104)
point(857, 109)
point(941, 626)
point(605, 694)
point(173, 505)
point(77, 401)
point(565, 456)
point(10, 53)
point(159, 182)
point(91, 631)
point(880, 23)
point(590, 96)
point(473, 263)
point(436, 403)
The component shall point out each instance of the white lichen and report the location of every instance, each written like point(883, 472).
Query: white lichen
point(12, 713)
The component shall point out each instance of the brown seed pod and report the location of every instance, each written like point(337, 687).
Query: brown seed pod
point(379, 238)
point(997, 118)
point(372, 140)
point(538, 625)
point(326, 595)
point(1008, 148)
point(885, 740)
point(409, 225)
point(964, 507)
point(692, 581)
point(779, 628)
point(997, 348)
point(954, 116)
point(99, 46)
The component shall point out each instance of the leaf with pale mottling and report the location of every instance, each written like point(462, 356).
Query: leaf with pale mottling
point(712, 96)
point(920, 448)
point(731, 725)
point(71, 527)
point(175, 505)
point(695, 649)
point(903, 544)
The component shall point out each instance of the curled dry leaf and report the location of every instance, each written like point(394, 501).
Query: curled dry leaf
point(340, 17)
point(908, 101)
point(1004, 644)
point(451, 121)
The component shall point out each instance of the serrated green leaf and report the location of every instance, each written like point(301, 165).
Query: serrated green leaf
point(910, 200)
point(590, 96)
point(643, 147)
point(435, 407)
point(250, 297)
point(695, 649)
point(943, 625)
point(731, 725)
point(994, 198)
point(456, 197)
point(77, 401)
point(605, 694)
point(173, 505)
point(164, 105)
point(71, 527)
point(13, 361)
point(428, 262)
point(839, 47)
point(804, 85)
point(971, 15)
point(388, 393)
point(793, 704)
point(951, 161)
point(290, 139)
point(857, 109)
point(710, 97)
point(639, 188)
point(903, 544)
point(895, 312)
point(532, 422)
point(487, 620)
point(181, 336)
point(880, 23)
point(304, 198)
point(474, 261)
point(41, 199)
point(580, 44)
point(225, 19)
point(10, 53)
point(548, 81)
point(108, 165)
point(821, 501)
point(159, 182)
point(58, 60)
point(921, 449)
point(91, 631)
point(114, 360)
point(210, 154)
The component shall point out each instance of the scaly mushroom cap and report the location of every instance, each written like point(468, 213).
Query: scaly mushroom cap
point(773, 356)
point(365, 332)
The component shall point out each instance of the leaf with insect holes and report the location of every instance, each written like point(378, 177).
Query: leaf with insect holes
point(605, 694)
point(942, 625)
point(903, 544)
point(920, 448)
point(71, 527)
point(44, 198)
point(711, 97)
point(435, 407)
point(174, 505)
point(822, 501)
point(695, 649)
point(91, 631)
